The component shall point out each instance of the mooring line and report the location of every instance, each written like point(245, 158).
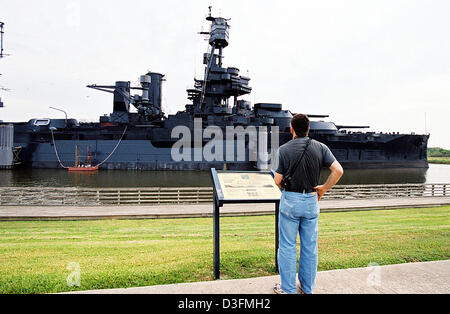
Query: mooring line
point(56, 151)
point(117, 145)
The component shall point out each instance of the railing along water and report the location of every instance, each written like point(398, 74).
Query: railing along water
point(79, 196)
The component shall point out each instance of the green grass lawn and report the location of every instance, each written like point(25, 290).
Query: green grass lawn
point(126, 253)
point(439, 160)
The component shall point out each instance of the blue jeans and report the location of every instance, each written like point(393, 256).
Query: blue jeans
point(299, 212)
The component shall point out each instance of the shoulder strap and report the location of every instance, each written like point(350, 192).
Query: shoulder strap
point(292, 170)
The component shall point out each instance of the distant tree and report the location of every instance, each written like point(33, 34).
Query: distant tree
point(438, 152)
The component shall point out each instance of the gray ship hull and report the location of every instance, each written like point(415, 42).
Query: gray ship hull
point(143, 155)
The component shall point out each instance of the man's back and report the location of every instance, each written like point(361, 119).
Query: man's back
point(317, 156)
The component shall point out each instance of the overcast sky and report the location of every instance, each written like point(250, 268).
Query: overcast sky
point(380, 63)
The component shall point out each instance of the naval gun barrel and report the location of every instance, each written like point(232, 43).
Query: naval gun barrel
point(352, 126)
point(313, 115)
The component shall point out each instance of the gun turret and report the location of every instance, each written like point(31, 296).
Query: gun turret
point(148, 104)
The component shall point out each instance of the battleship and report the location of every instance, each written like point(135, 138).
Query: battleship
point(143, 138)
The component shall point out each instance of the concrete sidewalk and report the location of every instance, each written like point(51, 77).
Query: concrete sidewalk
point(426, 277)
point(200, 210)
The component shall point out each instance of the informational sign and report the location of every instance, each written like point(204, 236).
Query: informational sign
point(240, 187)
point(248, 186)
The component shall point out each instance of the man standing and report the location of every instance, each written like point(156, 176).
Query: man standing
point(299, 165)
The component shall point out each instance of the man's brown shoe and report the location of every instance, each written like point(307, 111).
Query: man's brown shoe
point(277, 289)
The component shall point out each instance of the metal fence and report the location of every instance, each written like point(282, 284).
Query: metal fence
point(103, 196)
point(190, 195)
point(387, 191)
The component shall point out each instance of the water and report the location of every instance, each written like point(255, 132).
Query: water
point(119, 178)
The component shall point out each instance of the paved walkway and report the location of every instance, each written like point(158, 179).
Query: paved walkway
point(427, 277)
point(201, 210)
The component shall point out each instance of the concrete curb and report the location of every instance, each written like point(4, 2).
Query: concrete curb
point(411, 278)
point(11, 213)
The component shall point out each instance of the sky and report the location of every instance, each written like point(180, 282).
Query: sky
point(380, 63)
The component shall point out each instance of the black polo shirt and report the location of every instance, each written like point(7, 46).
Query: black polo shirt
point(307, 173)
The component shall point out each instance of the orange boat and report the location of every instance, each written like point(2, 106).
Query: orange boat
point(78, 165)
point(88, 168)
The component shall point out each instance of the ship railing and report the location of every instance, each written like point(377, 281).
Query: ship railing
point(387, 191)
point(103, 196)
point(80, 196)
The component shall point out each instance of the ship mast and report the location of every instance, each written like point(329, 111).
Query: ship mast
point(1, 54)
point(210, 95)
point(1, 39)
point(218, 38)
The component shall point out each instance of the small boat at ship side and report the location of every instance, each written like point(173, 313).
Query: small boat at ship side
point(83, 169)
point(79, 165)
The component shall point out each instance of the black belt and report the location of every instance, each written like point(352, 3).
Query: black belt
point(302, 190)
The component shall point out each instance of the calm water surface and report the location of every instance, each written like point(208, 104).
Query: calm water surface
point(119, 178)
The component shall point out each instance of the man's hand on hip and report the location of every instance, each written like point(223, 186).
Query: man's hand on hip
point(321, 190)
point(336, 174)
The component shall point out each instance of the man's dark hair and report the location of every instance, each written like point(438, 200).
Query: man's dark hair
point(300, 124)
